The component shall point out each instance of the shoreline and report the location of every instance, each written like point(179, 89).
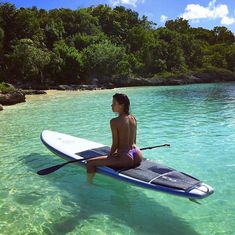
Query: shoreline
point(19, 95)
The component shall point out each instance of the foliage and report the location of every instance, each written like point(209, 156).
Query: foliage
point(70, 62)
point(63, 46)
point(104, 59)
point(27, 61)
point(4, 88)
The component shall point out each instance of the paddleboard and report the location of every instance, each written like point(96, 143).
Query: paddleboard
point(149, 174)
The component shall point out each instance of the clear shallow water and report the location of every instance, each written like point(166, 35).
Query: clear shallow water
point(197, 120)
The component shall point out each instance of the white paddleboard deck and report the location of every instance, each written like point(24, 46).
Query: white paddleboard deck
point(149, 174)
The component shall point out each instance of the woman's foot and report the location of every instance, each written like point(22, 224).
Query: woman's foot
point(90, 177)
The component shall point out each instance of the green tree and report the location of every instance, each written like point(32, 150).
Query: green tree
point(223, 35)
point(117, 22)
point(68, 17)
point(104, 13)
point(166, 35)
point(215, 55)
point(27, 62)
point(139, 38)
point(174, 54)
point(175, 58)
point(7, 23)
point(88, 24)
point(54, 31)
point(179, 25)
point(72, 65)
point(1, 55)
point(104, 59)
point(230, 58)
point(26, 24)
point(123, 68)
point(204, 35)
point(53, 69)
point(65, 45)
point(1, 40)
point(136, 64)
point(157, 56)
point(81, 41)
point(193, 49)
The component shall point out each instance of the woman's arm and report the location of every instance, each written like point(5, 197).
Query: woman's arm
point(114, 130)
point(135, 123)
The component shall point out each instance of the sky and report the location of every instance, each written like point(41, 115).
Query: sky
point(200, 13)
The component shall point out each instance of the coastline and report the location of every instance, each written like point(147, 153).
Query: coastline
point(216, 76)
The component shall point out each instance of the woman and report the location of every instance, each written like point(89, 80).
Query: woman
point(123, 153)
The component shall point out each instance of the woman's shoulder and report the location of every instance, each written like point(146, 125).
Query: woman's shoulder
point(132, 116)
point(118, 120)
point(114, 120)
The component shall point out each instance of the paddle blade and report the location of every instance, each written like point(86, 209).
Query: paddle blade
point(49, 170)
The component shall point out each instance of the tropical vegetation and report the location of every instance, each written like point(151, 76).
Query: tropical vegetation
point(64, 46)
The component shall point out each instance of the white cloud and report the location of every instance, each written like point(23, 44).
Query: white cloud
point(195, 21)
point(227, 20)
point(126, 2)
point(212, 11)
point(163, 18)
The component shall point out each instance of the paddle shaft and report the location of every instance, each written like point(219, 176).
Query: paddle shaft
point(57, 167)
point(157, 146)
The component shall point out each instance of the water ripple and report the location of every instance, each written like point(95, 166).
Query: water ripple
point(197, 120)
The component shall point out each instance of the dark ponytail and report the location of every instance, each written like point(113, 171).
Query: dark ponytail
point(123, 99)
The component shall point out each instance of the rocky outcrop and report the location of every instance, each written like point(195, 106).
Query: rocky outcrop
point(75, 87)
point(87, 87)
point(67, 87)
point(182, 79)
point(215, 76)
point(12, 98)
point(33, 92)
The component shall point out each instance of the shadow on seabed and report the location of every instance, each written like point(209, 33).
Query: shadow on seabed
point(117, 200)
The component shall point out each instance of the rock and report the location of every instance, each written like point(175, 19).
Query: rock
point(87, 87)
point(63, 87)
point(1, 108)
point(31, 86)
point(33, 92)
point(75, 87)
point(109, 85)
point(12, 98)
point(139, 82)
point(68, 87)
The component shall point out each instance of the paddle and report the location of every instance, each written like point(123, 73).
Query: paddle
point(57, 167)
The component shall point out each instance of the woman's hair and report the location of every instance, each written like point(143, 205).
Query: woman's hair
point(123, 99)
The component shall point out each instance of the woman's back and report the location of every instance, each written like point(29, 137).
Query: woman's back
point(126, 126)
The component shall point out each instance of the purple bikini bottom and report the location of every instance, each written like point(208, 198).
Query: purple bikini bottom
point(131, 153)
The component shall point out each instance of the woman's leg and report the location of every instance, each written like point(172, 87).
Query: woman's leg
point(91, 167)
point(111, 161)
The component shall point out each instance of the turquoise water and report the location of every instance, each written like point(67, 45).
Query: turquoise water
point(197, 120)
